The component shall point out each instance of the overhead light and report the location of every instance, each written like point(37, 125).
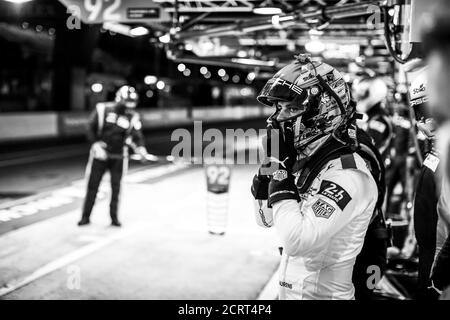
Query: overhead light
point(149, 94)
point(253, 62)
point(97, 87)
point(138, 31)
point(165, 38)
point(242, 54)
point(160, 84)
point(267, 11)
point(276, 21)
point(225, 78)
point(221, 72)
point(315, 32)
point(181, 67)
point(119, 28)
point(18, 1)
point(251, 76)
point(207, 75)
point(246, 92)
point(315, 46)
point(203, 70)
point(236, 78)
point(187, 72)
point(267, 8)
point(149, 80)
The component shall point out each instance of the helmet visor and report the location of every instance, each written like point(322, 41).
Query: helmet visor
point(277, 89)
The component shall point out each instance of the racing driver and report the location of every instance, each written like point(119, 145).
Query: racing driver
point(317, 188)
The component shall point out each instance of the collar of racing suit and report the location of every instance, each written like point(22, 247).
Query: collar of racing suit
point(308, 168)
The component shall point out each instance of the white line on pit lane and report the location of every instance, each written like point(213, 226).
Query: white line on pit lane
point(65, 260)
point(66, 195)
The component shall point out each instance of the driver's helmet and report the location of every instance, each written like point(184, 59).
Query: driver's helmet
point(127, 96)
point(369, 92)
point(314, 88)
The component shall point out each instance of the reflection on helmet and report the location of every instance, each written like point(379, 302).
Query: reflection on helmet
point(127, 96)
point(311, 90)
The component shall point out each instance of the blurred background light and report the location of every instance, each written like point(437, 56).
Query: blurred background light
point(181, 67)
point(97, 87)
point(139, 31)
point(246, 92)
point(267, 8)
point(315, 46)
point(18, 1)
point(215, 92)
point(187, 72)
point(165, 38)
point(203, 70)
point(149, 80)
point(160, 85)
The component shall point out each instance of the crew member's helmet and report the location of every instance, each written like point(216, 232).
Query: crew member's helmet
point(418, 98)
point(368, 93)
point(319, 94)
point(127, 96)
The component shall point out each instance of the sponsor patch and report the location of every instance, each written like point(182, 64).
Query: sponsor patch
point(285, 284)
point(280, 175)
point(431, 162)
point(335, 192)
point(322, 209)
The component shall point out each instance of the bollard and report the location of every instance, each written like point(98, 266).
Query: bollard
point(217, 197)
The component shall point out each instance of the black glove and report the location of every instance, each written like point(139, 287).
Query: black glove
point(260, 187)
point(282, 184)
point(282, 187)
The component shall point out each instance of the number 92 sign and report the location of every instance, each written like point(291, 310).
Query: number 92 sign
point(218, 178)
point(99, 11)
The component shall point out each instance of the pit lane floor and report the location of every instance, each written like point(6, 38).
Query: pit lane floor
point(163, 251)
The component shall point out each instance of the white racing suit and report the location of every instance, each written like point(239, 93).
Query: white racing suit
point(322, 235)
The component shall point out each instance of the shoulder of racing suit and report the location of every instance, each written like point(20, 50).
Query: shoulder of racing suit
point(347, 169)
point(342, 195)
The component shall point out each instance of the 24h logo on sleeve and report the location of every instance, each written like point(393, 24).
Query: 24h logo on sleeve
point(335, 192)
